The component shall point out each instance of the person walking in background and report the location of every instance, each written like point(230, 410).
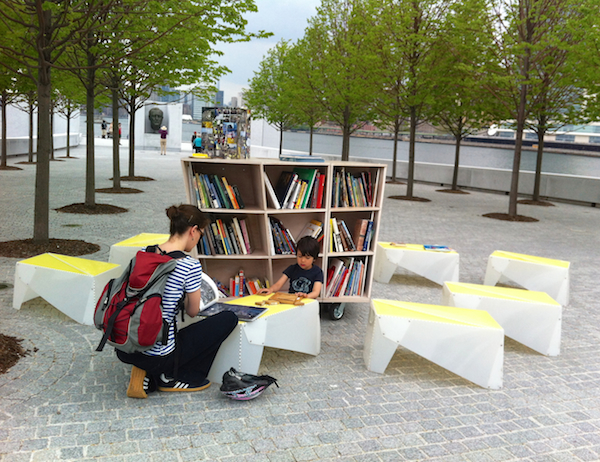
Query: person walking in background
point(104, 127)
point(119, 133)
point(198, 144)
point(163, 140)
point(194, 136)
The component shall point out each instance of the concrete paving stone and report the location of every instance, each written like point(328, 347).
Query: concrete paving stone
point(71, 453)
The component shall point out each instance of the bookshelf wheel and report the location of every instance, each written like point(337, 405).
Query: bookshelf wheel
point(336, 311)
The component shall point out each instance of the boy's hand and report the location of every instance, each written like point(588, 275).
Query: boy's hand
point(301, 295)
point(264, 292)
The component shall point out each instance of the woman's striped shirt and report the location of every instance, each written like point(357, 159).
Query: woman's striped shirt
point(186, 277)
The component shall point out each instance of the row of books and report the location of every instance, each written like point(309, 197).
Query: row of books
point(226, 237)
point(240, 286)
point(215, 192)
point(282, 242)
point(342, 241)
point(345, 277)
point(352, 190)
point(299, 189)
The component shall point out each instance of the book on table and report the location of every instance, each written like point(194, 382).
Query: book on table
point(438, 248)
point(243, 312)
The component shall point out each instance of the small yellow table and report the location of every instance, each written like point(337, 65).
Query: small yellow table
point(529, 317)
point(533, 273)
point(288, 327)
point(122, 252)
point(469, 343)
point(437, 266)
point(73, 285)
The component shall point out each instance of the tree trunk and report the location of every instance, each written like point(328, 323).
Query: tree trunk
point(41, 211)
point(514, 183)
point(51, 128)
point(310, 143)
point(280, 139)
point(116, 139)
point(68, 133)
point(538, 164)
point(395, 151)
point(456, 163)
point(411, 152)
point(30, 154)
point(132, 137)
point(346, 135)
point(3, 158)
point(90, 170)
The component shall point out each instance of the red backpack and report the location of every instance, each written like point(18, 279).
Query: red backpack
point(129, 311)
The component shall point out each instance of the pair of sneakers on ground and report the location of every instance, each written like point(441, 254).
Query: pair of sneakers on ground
point(141, 384)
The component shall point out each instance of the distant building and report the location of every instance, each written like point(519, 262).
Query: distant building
point(234, 101)
point(219, 98)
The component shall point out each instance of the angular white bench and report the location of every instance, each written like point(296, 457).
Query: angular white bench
point(73, 285)
point(431, 264)
point(529, 317)
point(287, 327)
point(122, 252)
point(468, 343)
point(533, 273)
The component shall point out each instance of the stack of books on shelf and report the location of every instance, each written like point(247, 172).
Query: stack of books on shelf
point(301, 188)
point(215, 192)
point(226, 237)
point(352, 190)
point(341, 240)
point(282, 241)
point(345, 277)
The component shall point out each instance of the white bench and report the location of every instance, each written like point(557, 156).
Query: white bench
point(122, 252)
point(288, 327)
point(533, 273)
point(434, 265)
point(529, 317)
point(466, 342)
point(73, 285)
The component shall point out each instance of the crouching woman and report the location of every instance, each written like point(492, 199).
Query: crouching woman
point(182, 364)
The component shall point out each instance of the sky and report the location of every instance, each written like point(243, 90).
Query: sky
point(286, 19)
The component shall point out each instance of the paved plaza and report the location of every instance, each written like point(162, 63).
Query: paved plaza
point(64, 401)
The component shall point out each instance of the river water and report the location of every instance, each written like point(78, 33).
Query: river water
point(470, 156)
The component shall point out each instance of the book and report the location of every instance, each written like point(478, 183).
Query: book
point(320, 191)
point(346, 234)
point(218, 239)
point(368, 236)
point(308, 176)
point(246, 235)
point(271, 193)
point(238, 196)
point(291, 201)
point(283, 185)
point(335, 235)
point(221, 194)
point(312, 228)
point(239, 235)
point(230, 195)
point(360, 232)
point(438, 248)
point(333, 274)
point(314, 192)
point(224, 237)
point(209, 293)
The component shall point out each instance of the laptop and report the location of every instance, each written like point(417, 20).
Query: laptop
point(243, 312)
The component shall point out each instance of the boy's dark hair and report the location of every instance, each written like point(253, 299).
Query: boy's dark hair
point(308, 245)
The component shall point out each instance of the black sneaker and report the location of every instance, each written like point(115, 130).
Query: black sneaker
point(168, 384)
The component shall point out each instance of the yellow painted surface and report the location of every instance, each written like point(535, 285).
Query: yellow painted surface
point(143, 240)
point(507, 293)
point(435, 313)
point(250, 300)
point(70, 264)
point(415, 247)
point(531, 258)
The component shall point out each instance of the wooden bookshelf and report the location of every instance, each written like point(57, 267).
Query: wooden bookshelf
point(249, 176)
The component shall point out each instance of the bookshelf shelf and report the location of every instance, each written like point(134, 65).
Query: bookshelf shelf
point(254, 178)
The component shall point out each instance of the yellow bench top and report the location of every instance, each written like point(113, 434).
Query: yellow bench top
point(416, 247)
point(530, 258)
point(435, 313)
point(69, 264)
point(250, 300)
point(143, 240)
point(507, 293)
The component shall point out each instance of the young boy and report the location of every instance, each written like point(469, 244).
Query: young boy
point(306, 278)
